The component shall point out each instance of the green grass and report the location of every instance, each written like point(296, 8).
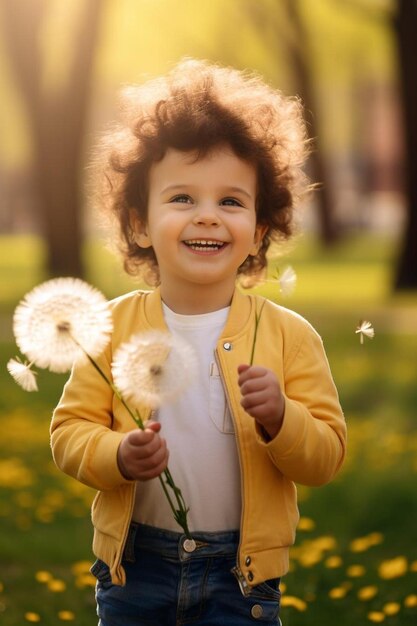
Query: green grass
point(45, 531)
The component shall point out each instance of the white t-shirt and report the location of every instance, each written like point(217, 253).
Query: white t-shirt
point(200, 437)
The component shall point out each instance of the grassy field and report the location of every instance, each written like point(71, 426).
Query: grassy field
point(355, 559)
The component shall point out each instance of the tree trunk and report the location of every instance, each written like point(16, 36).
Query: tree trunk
point(406, 29)
point(298, 49)
point(57, 123)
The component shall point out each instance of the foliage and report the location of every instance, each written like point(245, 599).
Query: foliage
point(355, 559)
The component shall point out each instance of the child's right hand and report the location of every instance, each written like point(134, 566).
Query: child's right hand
point(143, 454)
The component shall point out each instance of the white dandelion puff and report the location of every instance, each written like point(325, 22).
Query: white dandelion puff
point(365, 329)
point(287, 281)
point(22, 374)
point(153, 368)
point(59, 321)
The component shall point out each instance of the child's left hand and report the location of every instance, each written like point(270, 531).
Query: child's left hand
point(262, 397)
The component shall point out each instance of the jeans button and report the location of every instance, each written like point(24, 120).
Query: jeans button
point(189, 545)
point(256, 611)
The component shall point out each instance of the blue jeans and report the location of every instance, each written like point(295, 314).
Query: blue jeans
point(166, 585)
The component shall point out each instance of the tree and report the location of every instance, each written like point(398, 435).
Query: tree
point(288, 38)
point(406, 28)
point(57, 121)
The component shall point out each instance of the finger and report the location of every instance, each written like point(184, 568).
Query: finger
point(250, 373)
point(253, 400)
point(152, 467)
point(153, 472)
point(140, 437)
point(254, 385)
point(149, 462)
point(150, 448)
point(152, 425)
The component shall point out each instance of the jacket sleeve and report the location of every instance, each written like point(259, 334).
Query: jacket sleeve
point(311, 445)
point(84, 444)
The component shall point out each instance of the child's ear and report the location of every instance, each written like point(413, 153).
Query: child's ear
point(260, 232)
point(140, 231)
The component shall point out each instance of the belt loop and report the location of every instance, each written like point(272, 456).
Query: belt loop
point(129, 551)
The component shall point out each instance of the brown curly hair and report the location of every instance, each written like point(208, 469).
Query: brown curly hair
point(199, 106)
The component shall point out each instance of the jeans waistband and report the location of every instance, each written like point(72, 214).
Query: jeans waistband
point(176, 545)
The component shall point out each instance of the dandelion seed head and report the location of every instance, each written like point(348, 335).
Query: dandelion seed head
point(22, 374)
point(57, 314)
point(153, 368)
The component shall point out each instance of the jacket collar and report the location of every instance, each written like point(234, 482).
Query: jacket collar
point(241, 311)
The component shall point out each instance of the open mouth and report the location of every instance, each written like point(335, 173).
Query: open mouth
point(204, 245)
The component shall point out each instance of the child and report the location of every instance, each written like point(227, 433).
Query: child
point(202, 177)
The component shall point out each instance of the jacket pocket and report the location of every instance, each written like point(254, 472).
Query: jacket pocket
point(218, 408)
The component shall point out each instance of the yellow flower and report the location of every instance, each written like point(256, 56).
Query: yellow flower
point(376, 616)
point(85, 580)
point(361, 544)
point(337, 593)
point(66, 616)
point(56, 586)
point(411, 601)
point(333, 562)
point(295, 603)
point(392, 608)
point(356, 571)
point(367, 593)
point(32, 617)
point(393, 568)
point(81, 567)
point(306, 523)
point(43, 576)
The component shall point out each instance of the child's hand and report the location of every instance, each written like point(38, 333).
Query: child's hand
point(262, 397)
point(143, 454)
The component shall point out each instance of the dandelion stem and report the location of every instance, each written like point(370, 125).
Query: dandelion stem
point(180, 514)
point(257, 319)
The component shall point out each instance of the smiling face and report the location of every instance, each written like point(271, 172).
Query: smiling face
point(202, 226)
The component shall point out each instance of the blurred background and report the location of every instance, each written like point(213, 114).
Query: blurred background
point(353, 64)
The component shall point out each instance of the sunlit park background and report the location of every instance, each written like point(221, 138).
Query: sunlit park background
point(353, 64)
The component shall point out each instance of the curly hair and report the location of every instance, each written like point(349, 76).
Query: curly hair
point(199, 106)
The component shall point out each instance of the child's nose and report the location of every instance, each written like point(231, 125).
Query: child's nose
point(206, 215)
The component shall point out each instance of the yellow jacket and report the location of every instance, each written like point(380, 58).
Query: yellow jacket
point(89, 423)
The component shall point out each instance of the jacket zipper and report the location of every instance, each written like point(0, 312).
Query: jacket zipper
point(243, 584)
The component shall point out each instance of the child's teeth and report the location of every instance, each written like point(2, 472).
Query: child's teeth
point(201, 244)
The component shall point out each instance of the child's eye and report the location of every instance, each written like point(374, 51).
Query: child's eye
point(183, 198)
point(231, 202)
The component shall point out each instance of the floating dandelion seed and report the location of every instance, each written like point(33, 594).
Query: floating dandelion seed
point(60, 320)
point(287, 281)
point(22, 374)
point(153, 368)
point(365, 329)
